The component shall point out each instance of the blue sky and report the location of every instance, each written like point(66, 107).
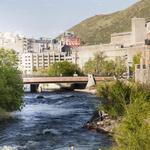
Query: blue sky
point(49, 18)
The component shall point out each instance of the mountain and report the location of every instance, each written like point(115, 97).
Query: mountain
point(97, 29)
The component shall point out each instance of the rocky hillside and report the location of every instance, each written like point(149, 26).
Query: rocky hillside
point(98, 29)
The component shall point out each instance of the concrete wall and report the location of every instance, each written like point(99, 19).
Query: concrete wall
point(111, 51)
point(87, 52)
point(132, 51)
point(123, 38)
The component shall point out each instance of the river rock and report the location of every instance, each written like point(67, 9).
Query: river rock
point(40, 97)
point(46, 131)
point(50, 131)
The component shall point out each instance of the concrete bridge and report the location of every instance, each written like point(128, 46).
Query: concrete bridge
point(79, 79)
point(89, 80)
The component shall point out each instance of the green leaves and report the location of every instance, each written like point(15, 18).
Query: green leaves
point(114, 98)
point(131, 102)
point(95, 65)
point(133, 132)
point(11, 86)
point(63, 68)
point(136, 60)
point(8, 58)
point(99, 65)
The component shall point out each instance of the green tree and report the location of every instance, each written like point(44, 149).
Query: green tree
point(11, 86)
point(109, 68)
point(119, 67)
point(89, 67)
point(99, 65)
point(99, 61)
point(95, 65)
point(63, 68)
point(136, 60)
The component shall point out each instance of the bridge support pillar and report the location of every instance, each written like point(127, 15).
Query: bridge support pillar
point(40, 88)
point(91, 81)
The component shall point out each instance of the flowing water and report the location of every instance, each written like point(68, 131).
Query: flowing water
point(53, 123)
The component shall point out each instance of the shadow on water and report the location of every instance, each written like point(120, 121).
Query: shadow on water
point(53, 123)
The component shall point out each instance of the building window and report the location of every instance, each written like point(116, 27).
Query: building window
point(144, 66)
point(138, 66)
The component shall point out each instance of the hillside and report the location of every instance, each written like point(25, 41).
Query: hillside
point(97, 29)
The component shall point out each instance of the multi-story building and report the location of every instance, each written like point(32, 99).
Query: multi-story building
point(30, 62)
point(69, 39)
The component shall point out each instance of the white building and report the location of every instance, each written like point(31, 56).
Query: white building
point(30, 62)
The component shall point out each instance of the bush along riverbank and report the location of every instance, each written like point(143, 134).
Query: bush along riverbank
point(127, 114)
point(11, 86)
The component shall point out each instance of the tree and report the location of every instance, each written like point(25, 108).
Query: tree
point(99, 65)
point(99, 61)
point(109, 68)
point(119, 67)
point(11, 86)
point(63, 68)
point(95, 65)
point(89, 67)
point(136, 60)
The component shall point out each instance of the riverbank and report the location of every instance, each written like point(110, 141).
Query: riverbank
point(96, 123)
point(91, 91)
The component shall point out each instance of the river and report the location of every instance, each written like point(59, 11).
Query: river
point(53, 123)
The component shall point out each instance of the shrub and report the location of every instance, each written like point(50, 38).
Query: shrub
point(115, 96)
point(132, 102)
point(138, 90)
point(133, 132)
